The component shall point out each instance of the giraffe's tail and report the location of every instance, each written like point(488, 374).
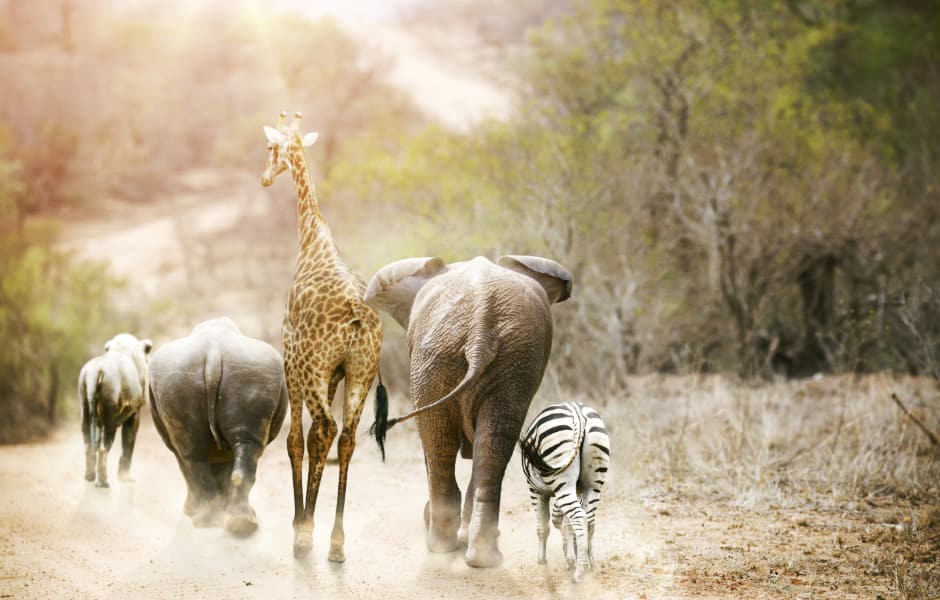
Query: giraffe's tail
point(380, 426)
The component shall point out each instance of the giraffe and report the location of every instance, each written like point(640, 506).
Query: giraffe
point(329, 333)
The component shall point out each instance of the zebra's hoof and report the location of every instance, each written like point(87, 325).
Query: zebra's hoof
point(579, 574)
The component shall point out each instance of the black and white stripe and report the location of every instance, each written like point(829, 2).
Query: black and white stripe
point(565, 456)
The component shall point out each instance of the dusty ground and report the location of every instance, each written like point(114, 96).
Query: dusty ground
point(61, 537)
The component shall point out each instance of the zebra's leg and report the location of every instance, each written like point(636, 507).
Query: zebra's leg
point(558, 520)
point(540, 501)
point(589, 502)
point(576, 520)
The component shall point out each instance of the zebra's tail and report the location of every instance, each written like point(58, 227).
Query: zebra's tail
point(532, 456)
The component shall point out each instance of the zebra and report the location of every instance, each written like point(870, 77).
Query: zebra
point(565, 455)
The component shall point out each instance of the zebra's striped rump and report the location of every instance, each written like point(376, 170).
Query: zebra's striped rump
point(565, 457)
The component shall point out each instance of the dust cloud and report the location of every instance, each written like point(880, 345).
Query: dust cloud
point(62, 537)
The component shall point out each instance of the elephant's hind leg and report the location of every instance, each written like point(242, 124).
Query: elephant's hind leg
point(497, 430)
point(441, 444)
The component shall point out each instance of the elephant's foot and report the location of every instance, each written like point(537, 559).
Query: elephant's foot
point(442, 521)
point(484, 555)
point(442, 542)
point(101, 483)
point(482, 550)
point(89, 475)
point(241, 521)
point(463, 534)
point(125, 477)
point(303, 540)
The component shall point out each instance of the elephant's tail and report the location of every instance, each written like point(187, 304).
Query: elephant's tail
point(213, 377)
point(380, 426)
point(479, 356)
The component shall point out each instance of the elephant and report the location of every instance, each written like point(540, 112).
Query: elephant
point(479, 338)
point(112, 389)
point(218, 399)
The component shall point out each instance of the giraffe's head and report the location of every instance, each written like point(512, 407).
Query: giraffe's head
point(283, 141)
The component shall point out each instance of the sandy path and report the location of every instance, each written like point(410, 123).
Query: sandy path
point(61, 537)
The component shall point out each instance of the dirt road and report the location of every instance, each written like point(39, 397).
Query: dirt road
point(62, 538)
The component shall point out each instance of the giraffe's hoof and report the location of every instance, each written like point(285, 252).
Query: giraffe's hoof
point(302, 546)
point(336, 554)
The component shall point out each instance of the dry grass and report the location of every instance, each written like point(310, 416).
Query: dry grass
point(827, 443)
point(833, 448)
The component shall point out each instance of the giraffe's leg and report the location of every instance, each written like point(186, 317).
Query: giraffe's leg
point(319, 438)
point(295, 446)
point(352, 409)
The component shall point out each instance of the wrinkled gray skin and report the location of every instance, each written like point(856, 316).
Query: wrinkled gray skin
point(112, 389)
point(218, 398)
point(479, 336)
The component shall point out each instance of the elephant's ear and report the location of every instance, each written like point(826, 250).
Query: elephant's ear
point(394, 287)
point(554, 278)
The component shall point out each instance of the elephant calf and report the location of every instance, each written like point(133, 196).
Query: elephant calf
point(219, 399)
point(112, 389)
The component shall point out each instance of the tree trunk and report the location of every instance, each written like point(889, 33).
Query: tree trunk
point(817, 283)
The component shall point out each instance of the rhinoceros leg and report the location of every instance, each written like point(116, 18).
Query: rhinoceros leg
point(128, 439)
point(239, 516)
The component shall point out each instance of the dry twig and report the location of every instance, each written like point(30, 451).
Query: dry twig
point(930, 435)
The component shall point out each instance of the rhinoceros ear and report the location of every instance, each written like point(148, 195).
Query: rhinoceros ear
point(554, 278)
point(394, 287)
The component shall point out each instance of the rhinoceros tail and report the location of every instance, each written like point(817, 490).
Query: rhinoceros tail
point(213, 377)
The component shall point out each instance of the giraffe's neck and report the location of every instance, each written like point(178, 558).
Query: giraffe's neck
point(313, 233)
